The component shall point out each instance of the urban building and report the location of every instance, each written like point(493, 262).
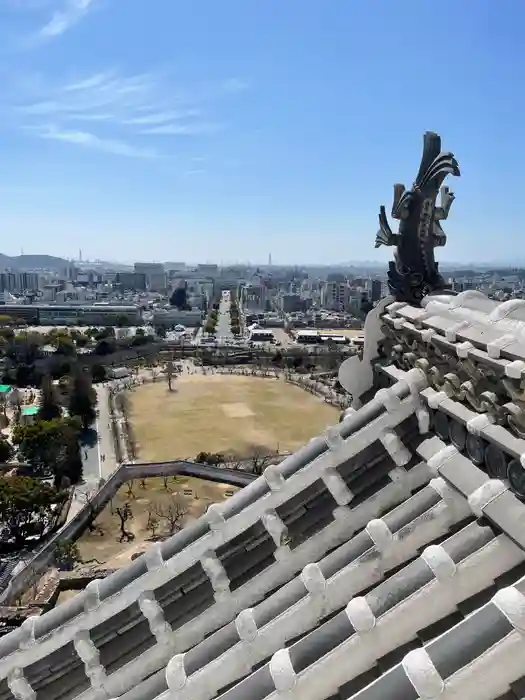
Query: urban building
point(336, 295)
point(208, 270)
point(132, 281)
point(18, 282)
point(290, 303)
point(73, 314)
point(253, 297)
point(169, 317)
point(376, 290)
point(155, 274)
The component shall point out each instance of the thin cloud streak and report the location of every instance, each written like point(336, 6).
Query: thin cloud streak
point(162, 117)
point(182, 130)
point(94, 142)
point(62, 20)
point(110, 112)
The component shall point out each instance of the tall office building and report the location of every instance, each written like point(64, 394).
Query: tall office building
point(375, 291)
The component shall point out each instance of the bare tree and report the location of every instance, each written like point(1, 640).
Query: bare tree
point(172, 512)
point(259, 460)
point(153, 523)
point(86, 497)
point(130, 485)
point(125, 513)
point(169, 374)
point(143, 484)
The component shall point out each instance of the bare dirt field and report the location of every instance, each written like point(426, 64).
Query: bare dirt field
point(163, 499)
point(224, 413)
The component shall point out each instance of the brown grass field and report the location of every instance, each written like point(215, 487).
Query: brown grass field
point(230, 414)
point(213, 413)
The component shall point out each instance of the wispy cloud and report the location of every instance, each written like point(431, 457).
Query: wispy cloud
point(181, 129)
point(109, 111)
point(94, 142)
point(62, 19)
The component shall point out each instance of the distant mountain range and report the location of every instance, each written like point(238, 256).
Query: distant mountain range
point(32, 262)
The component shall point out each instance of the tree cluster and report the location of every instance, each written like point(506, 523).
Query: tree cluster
point(179, 298)
point(50, 445)
point(211, 321)
point(51, 449)
point(23, 349)
point(214, 459)
point(235, 323)
point(28, 508)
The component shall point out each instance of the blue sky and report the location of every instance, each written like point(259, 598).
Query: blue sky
point(223, 130)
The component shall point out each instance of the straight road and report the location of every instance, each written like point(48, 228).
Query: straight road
point(98, 454)
point(98, 457)
point(223, 318)
point(106, 449)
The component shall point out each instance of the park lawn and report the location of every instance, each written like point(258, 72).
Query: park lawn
point(230, 414)
point(104, 545)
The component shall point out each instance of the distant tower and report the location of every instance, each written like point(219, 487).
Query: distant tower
point(269, 259)
point(80, 255)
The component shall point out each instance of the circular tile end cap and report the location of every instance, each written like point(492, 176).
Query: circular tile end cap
point(512, 604)
point(423, 675)
point(246, 626)
point(440, 563)
point(282, 671)
point(380, 534)
point(313, 579)
point(360, 615)
point(176, 673)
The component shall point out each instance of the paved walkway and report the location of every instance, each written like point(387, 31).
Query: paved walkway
point(99, 460)
point(108, 462)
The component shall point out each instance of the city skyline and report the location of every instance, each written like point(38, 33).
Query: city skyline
point(223, 131)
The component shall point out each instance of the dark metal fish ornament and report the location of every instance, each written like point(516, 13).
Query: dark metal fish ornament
point(414, 272)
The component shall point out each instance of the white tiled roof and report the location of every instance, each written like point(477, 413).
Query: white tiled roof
point(376, 562)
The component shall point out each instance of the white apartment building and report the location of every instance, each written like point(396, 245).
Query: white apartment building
point(336, 295)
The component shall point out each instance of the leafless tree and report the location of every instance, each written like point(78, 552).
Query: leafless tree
point(125, 513)
point(153, 523)
point(130, 485)
point(259, 460)
point(86, 498)
point(169, 374)
point(172, 512)
point(143, 484)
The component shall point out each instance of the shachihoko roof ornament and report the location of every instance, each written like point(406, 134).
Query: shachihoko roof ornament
point(414, 273)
